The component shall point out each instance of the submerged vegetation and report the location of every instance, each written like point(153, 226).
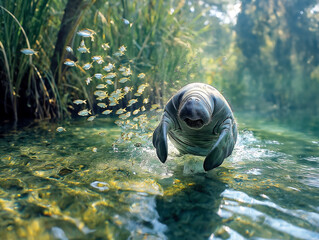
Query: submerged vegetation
point(260, 54)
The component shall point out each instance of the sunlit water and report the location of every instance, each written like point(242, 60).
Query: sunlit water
point(53, 186)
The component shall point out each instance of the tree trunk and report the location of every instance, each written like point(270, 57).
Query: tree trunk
point(72, 17)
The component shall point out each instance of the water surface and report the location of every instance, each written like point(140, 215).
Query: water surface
point(77, 185)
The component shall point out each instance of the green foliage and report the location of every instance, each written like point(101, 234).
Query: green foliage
point(158, 43)
point(266, 60)
point(279, 44)
point(24, 85)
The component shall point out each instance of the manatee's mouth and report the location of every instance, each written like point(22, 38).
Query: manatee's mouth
point(198, 123)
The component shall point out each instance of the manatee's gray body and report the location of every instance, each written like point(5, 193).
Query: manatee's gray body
point(198, 121)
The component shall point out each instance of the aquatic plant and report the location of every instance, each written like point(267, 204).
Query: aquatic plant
point(29, 87)
point(25, 86)
point(160, 39)
point(159, 43)
point(132, 61)
point(173, 42)
point(112, 78)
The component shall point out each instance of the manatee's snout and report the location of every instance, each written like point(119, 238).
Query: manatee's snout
point(194, 112)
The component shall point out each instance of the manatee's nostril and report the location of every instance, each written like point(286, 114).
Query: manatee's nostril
point(196, 100)
point(194, 123)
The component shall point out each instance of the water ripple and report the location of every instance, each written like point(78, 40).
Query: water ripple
point(227, 210)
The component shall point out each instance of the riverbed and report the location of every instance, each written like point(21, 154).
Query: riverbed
point(78, 184)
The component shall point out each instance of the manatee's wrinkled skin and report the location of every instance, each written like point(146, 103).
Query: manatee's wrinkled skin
point(198, 121)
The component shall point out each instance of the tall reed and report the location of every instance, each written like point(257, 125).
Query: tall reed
point(23, 88)
point(160, 42)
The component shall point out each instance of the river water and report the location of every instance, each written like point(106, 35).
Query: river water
point(77, 185)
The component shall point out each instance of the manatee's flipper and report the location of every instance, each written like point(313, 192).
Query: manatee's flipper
point(223, 147)
point(160, 139)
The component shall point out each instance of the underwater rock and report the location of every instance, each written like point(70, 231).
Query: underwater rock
point(58, 233)
point(12, 184)
point(138, 144)
point(30, 210)
point(102, 186)
point(147, 186)
point(64, 171)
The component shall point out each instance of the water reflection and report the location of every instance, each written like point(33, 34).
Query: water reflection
point(142, 218)
point(191, 213)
